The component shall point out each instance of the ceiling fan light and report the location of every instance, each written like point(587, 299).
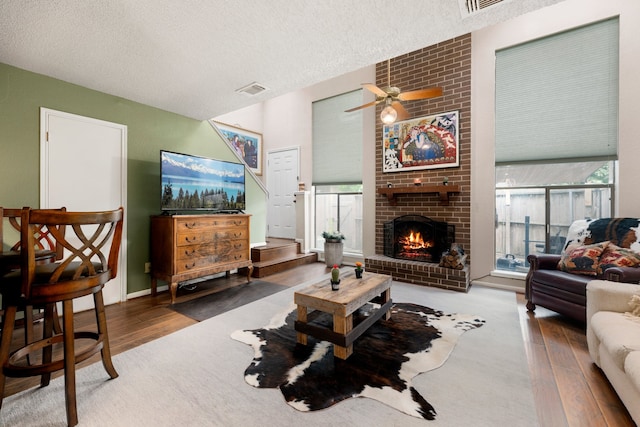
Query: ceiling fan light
point(388, 115)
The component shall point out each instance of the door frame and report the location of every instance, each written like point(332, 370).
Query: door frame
point(45, 113)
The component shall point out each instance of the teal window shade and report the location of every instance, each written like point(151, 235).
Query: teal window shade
point(557, 97)
point(337, 140)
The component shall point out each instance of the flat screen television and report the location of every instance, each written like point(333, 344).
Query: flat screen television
point(192, 183)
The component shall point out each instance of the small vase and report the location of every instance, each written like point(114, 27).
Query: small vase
point(359, 274)
point(335, 285)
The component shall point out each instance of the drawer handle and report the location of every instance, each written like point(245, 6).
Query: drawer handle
point(237, 257)
point(189, 253)
point(191, 240)
point(238, 246)
point(189, 267)
point(237, 234)
point(190, 225)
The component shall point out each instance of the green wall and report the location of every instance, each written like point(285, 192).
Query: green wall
point(23, 93)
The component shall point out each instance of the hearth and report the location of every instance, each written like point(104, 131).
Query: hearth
point(417, 238)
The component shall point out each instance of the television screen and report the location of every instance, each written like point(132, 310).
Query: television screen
point(196, 183)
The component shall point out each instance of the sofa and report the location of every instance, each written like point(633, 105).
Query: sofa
point(613, 337)
point(605, 248)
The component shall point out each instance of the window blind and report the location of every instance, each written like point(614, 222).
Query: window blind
point(557, 97)
point(337, 140)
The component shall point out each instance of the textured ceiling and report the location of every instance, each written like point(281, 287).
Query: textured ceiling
point(190, 56)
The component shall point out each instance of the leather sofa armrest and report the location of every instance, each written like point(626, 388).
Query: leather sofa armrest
point(543, 261)
point(622, 274)
point(539, 262)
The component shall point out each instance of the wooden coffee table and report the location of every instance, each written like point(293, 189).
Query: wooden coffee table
point(353, 294)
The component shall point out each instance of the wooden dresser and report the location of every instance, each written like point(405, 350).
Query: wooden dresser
point(185, 247)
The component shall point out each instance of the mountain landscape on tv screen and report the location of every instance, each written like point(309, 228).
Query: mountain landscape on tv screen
point(192, 183)
point(196, 167)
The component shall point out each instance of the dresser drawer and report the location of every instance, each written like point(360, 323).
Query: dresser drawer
point(198, 224)
point(194, 237)
point(192, 252)
point(194, 264)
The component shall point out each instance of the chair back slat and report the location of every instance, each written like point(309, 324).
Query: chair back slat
point(90, 241)
point(43, 240)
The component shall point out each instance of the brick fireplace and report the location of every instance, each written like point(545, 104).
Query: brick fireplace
point(448, 65)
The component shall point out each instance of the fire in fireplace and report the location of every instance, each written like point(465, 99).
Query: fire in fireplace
point(417, 238)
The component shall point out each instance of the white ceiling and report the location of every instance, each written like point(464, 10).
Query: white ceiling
point(190, 56)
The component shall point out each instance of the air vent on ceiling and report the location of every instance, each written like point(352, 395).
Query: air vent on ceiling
point(252, 89)
point(472, 6)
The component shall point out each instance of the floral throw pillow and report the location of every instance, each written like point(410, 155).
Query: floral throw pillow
point(615, 256)
point(582, 259)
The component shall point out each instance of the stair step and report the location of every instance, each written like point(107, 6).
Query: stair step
point(274, 251)
point(266, 268)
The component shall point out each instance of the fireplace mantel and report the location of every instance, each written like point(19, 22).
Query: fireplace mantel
point(442, 190)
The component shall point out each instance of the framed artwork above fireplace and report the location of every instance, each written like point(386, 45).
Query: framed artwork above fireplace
point(428, 142)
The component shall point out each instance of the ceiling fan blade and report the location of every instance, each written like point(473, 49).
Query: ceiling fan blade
point(413, 95)
point(369, 104)
point(403, 114)
point(375, 89)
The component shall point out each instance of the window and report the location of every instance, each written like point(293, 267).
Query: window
point(536, 204)
point(337, 169)
point(339, 207)
point(556, 138)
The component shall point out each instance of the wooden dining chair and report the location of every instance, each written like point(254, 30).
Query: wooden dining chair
point(91, 245)
point(46, 251)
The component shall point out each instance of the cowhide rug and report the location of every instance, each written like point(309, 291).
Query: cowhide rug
point(385, 359)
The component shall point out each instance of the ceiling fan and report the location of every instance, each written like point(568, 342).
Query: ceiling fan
point(392, 96)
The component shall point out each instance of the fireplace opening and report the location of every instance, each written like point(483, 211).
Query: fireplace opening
point(417, 238)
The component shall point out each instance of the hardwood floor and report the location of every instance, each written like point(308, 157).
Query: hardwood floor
point(569, 390)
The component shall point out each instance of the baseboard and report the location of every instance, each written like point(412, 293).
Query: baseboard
point(506, 283)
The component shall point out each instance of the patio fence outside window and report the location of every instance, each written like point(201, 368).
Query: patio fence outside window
point(537, 219)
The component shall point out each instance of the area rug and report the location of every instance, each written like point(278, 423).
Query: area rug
point(194, 377)
point(385, 359)
point(210, 305)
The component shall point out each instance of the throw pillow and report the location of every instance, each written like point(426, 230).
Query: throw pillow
point(615, 256)
point(582, 259)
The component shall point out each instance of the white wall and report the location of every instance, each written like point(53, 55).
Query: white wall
point(286, 121)
point(552, 19)
point(249, 118)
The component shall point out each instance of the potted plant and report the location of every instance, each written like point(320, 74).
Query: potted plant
point(359, 269)
point(333, 247)
point(333, 236)
point(335, 278)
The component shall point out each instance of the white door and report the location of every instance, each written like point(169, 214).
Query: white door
point(83, 168)
point(282, 183)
